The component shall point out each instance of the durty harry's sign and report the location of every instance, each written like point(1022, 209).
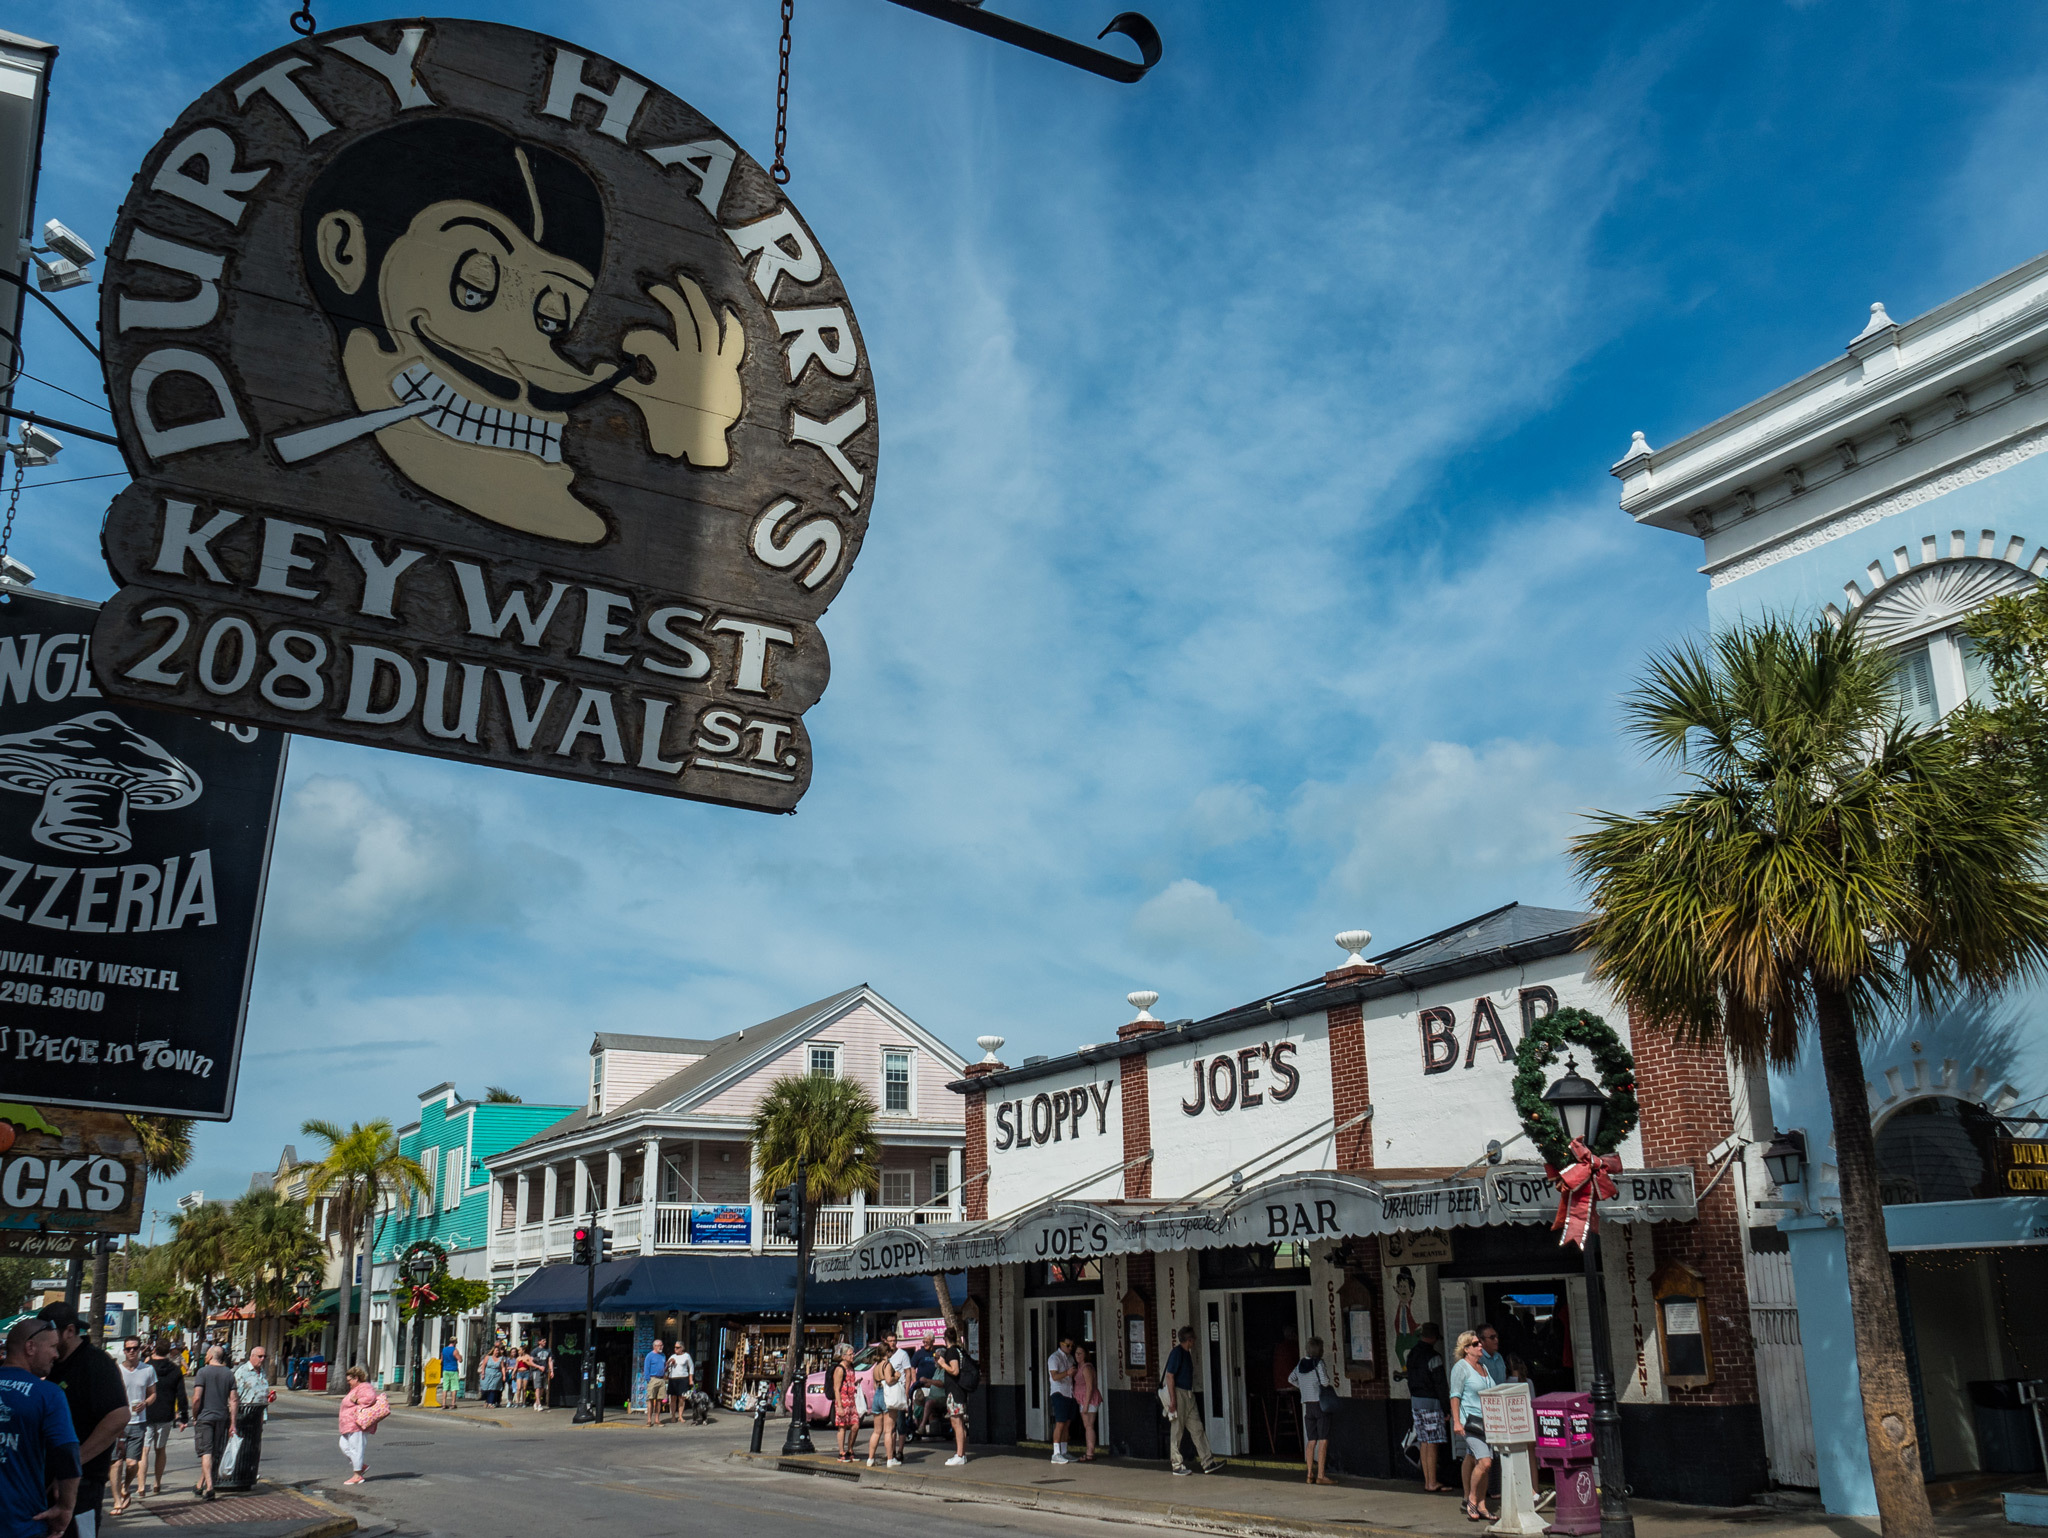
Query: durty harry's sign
point(133, 851)
point(64, 1173)
point(482, 400)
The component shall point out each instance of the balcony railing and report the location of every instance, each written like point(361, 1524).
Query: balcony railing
point(632, 1233)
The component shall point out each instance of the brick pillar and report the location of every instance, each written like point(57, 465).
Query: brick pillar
point(1683, 1091)
point(1134, 1094)
point(974, 1157)
point(1350, 1080)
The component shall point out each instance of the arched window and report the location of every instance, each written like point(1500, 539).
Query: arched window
point(1939, 1149)
point(1919, 616)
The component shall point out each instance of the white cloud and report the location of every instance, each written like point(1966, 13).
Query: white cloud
point(1189, 917)
point(1221, 815)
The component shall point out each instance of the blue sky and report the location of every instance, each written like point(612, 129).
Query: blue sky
point(1244, 565)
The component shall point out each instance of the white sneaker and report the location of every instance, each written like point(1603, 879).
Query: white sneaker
point(893, 1463)
point(956, 1460)
point(1061, 1458)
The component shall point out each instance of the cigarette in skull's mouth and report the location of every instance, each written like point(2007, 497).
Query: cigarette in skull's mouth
point(304, 444)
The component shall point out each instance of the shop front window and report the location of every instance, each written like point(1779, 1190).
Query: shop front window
point(1255, 1265)
point(1047, 1278)
point(1940, 1149)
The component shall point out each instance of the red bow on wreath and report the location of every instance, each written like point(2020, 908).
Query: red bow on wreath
point(424, 1291)
point(1582, 1180)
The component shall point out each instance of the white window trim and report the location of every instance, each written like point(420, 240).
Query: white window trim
point(911, 1054)
point(833, 1047)
point(942, 1172)
point(909, 1175)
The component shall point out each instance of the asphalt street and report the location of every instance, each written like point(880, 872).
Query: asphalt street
point(475, 1481)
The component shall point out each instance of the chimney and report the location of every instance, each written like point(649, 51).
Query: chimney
point(1142, 1001)
point(1355, 969)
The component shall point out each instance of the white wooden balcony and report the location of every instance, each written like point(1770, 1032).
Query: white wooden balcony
point(664, 1228)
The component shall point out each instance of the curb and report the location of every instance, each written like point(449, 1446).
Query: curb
point(1111, 1508)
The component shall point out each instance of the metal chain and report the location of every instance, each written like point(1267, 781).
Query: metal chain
point(780, 170)
point(13, 501)
point(302, 19)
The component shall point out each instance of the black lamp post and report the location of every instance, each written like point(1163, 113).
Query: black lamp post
point(1580, 1105)
point(419, 1266)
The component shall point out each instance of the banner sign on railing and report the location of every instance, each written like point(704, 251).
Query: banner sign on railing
point(722, 1225)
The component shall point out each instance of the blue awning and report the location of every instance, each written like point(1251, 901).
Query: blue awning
point(718, 1284)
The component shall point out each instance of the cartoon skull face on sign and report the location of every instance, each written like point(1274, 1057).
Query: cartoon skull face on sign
point(454, 263)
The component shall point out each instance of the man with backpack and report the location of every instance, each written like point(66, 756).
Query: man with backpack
point(959, 1376)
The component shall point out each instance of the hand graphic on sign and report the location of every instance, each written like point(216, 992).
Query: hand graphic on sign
point(695, 396)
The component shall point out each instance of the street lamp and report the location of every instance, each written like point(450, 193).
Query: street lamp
point(419, 1266)
point(1786, 1159)
point(1580, 1106)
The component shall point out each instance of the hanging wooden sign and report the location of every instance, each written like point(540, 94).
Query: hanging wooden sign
point(482, 400)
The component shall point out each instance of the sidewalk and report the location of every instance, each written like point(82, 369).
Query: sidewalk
point(1268, 1503)
point(268, 1511)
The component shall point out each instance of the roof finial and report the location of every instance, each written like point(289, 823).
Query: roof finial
point(1879, 321)
point(990, 1045)
point(1142, 1001)
point(1356, 940)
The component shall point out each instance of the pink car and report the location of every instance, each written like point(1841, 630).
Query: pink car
point(819, 1403)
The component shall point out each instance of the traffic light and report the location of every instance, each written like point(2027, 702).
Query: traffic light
point(581, 1248)
point(789, 1217)
point(604, 1244)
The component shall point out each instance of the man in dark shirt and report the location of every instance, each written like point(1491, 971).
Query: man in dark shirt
point(166, 1410)
point(99, 1409)
point(215, 1404)
point(1429, 1391)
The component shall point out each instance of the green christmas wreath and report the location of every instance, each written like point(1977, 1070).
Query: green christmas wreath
point(1613, 1066)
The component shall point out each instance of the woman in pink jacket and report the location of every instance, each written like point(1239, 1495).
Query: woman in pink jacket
point(361, 1408)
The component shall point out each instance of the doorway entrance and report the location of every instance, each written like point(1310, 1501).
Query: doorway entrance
point(1534, 1321)
point(1048, 1322)
point(1271, 1333)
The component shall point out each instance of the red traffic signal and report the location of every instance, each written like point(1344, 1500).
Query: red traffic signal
point(581, 1249)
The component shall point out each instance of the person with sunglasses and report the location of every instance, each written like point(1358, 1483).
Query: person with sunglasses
point(39, 1476)
point(139, 1379)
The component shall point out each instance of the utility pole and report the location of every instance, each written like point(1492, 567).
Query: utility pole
point(796, 1382)
point(590, 1400)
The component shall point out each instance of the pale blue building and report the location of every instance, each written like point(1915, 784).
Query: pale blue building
point(1895, 488)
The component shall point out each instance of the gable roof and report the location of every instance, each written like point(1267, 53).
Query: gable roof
point(1511, 924)
point(731, 1058)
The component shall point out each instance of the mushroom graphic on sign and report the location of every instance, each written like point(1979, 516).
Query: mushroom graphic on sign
point(89, 771)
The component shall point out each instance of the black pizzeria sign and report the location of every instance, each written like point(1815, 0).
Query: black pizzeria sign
point(133, 849)
point(483, 400)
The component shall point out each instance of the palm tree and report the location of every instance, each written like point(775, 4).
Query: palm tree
point(497, 1094)
point(1827, 866)
point(362, 1165)
point(166, 1149)
point(199, 1258)
point(269, 1242)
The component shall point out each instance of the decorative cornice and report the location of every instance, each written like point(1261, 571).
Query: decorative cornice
point(2015, 451)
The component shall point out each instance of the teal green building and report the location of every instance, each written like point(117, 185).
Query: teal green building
point(450, 1139)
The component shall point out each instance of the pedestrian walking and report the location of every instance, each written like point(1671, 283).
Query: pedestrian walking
point(139, 1379)
point(491, 1378)
point(959, 1375)
point(655, 1370)
point(166, 1409)
point(215, 1406)
point(1087, 1399)
point(893, 1394)
point(362, 1407)
point(1428, 1389)
point(543, 1373)
point(682, 1378)
point(1186, 1419)
point(99, 1410)
point(254, 1395)
point(1059, 1374)
point(842, 1383)
point(1468, 1378)
point(39, 1473)
point(1311, 1379)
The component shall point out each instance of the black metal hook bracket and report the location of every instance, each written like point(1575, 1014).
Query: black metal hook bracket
point(962, 13)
